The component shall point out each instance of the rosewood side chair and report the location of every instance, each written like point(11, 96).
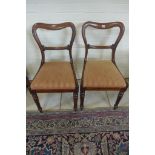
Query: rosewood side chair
point(102, 75)
point(58, 76)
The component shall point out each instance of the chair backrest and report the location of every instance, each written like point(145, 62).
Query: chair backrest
point(102, 26)
point(53, 27)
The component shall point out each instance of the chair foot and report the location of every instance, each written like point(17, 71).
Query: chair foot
point(75, 98)
point(36, 100)
point(119, 97)
point(115, 107)
point(82, 96)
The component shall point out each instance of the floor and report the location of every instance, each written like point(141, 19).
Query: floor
point(64, 101)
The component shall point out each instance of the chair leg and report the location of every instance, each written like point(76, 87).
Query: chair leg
point(119, 97)
point(75, 98)
point(82, 96)
point(28, 84)
point(36, 100)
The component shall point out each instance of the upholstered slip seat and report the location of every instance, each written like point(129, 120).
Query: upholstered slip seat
point(54, 76)
point(102, 74)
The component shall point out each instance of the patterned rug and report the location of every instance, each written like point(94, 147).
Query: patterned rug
point(104, 132)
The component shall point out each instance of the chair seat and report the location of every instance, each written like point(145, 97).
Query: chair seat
point(102, 74)
point(54, 76)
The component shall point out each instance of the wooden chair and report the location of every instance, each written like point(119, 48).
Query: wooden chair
point(56, 76)
point(103, 74)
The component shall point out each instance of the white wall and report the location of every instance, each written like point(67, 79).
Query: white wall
point(79, 11)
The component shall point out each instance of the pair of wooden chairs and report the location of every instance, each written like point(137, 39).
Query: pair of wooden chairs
point(60, 76)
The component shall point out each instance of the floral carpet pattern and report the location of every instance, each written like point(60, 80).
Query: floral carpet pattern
point(104, 132)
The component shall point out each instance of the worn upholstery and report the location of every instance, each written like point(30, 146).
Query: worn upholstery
point(54, 76)
point(102, 74)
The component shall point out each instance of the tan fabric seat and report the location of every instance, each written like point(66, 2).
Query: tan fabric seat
point(54, 76)
point(102, 74)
